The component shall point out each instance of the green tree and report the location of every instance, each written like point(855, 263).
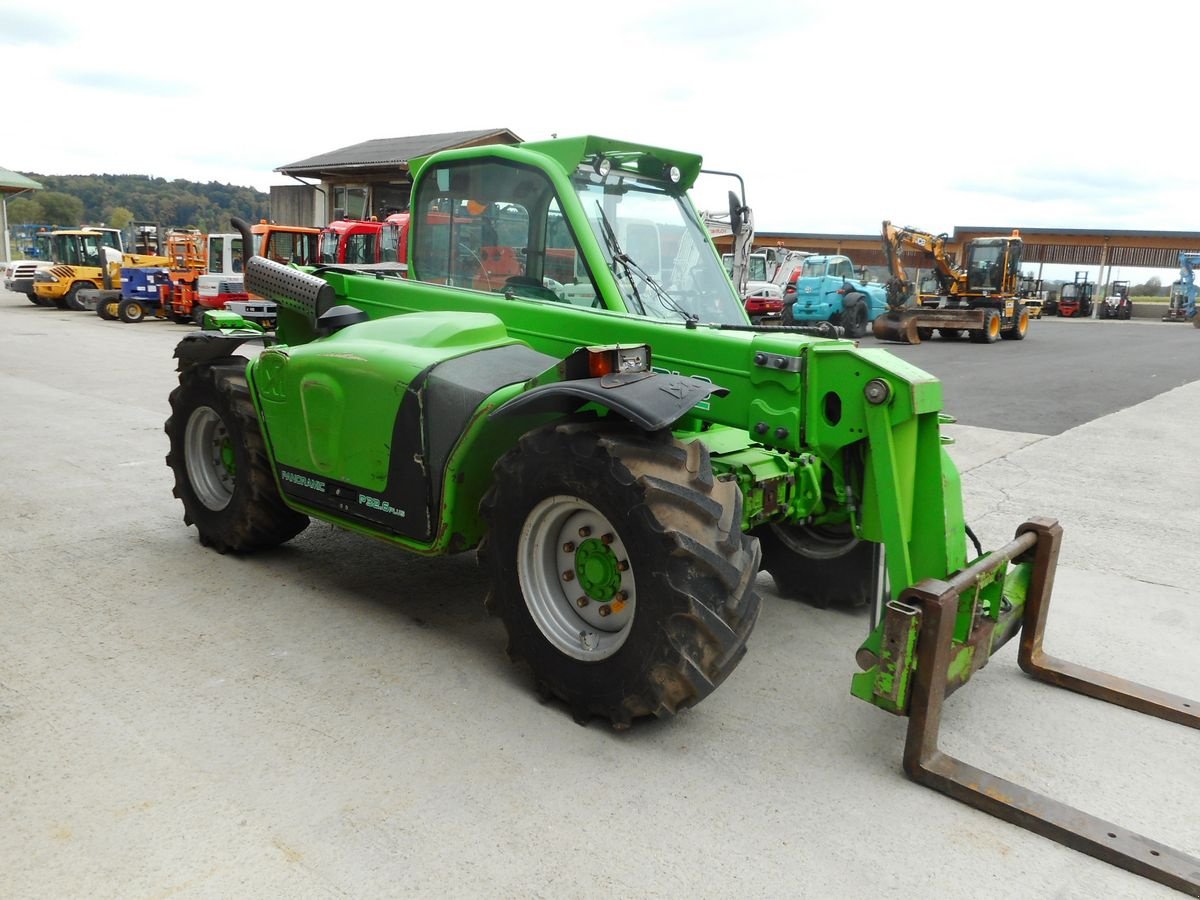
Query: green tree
point(25, 211)
point(1152, 288)
point(119, 217)
point(62, 209)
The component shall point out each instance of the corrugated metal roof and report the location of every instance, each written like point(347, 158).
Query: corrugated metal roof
point(395, 151)
point(1086, 232)
point(11, 182)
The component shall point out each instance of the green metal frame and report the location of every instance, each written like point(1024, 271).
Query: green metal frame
point(814, 431)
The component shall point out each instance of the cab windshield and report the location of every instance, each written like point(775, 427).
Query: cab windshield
point(657, 249)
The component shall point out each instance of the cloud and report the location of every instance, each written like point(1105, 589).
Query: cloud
point(1052, 184)
point(726, 29)
point(32, 27)
point(135, 84)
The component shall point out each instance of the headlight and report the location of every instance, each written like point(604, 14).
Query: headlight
point(45, 277)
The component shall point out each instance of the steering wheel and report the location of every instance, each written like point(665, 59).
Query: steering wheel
point(525, 286)
point(464, 250)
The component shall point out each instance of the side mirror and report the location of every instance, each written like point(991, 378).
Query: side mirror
point(735, 214)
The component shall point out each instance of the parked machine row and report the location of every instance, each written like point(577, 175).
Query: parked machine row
point(180, 274)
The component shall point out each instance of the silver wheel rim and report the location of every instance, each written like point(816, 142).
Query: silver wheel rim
point(553, 571)
point(208, 454)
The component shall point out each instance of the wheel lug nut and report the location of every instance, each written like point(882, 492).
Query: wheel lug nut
point(620, 597)
point(623, 565)
point(606, 539)
point(606, 610)
point(582, 602)
point(568, 547)
point(585, 531)
point(568, 575)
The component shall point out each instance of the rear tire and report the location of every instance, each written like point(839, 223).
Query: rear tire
point(854, 317)
point(222, 473)
point(676, 576)
point(821, 567)
point(925, 334)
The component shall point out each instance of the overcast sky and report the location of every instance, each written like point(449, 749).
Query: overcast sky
point(837, 114)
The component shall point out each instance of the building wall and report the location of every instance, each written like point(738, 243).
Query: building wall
point(297, 204)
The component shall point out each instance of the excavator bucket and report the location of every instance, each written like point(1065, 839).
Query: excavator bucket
point(896, 326)
point(928, 611)
point(904, 325)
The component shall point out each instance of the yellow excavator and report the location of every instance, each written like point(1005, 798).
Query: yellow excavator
point(980, 298)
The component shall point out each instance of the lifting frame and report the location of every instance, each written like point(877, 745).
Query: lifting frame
point(937, 602)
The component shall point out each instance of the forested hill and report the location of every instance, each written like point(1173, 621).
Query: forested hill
point(116, 199)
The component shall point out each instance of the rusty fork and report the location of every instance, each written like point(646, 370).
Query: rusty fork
point(927, 765)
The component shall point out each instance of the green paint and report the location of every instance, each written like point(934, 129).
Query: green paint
point(596, 569)
point(800, 439)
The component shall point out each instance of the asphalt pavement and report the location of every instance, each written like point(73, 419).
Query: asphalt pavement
point(1065, 373)
point(336, 718)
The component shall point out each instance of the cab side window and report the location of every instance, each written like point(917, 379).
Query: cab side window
point(493, 226)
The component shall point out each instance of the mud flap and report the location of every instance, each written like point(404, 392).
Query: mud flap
point(935, 604)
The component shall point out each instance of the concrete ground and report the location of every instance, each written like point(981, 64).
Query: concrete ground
point(338, 719)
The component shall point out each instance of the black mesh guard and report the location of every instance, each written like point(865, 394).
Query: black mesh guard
point(290, 288)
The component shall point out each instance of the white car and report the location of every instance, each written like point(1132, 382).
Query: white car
point(19, 273)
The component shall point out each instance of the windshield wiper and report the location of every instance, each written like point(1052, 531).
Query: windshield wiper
point(632, 267)
point(664, 296)
point(619, 255)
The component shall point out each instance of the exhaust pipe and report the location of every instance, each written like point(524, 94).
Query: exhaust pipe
point(243, 227)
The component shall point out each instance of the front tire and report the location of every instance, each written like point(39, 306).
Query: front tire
point(131, 311)
point(620, 570)
point(990, 332)
point(222, 474)
point(72, 298)
point(1020, 326)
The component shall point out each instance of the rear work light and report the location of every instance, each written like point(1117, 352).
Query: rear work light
point(616, 359)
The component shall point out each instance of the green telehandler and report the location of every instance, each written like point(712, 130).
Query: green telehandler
point(565, 379)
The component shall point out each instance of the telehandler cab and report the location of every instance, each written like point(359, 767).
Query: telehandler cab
point(624, 449)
